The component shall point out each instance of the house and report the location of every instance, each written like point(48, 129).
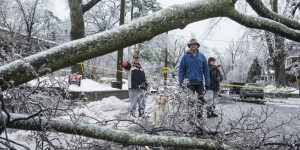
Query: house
point(268, 72)
point(292, 66)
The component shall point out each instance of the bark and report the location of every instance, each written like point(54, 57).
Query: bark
point(278, 54)
point(262, 10)
point(145, 28)
point(123, 137)
point(77, 29)
point(295, 8)
point(264, 24)
point(89, 5)
point(120, 52)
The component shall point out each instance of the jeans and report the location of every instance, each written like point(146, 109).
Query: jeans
point(136, 96)
point(211, 97)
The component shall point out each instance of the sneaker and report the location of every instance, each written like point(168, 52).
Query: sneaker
point(141, 112)
point(213, 114)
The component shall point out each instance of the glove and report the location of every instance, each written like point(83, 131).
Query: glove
point(206, 88)
point(182, 86)
point(145, 89)
point(124, 64)
point(218, 65)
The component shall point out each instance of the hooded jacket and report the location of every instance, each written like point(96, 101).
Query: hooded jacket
point(215, 77)
point(193, 68)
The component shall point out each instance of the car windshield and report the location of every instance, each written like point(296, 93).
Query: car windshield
point(251, 84)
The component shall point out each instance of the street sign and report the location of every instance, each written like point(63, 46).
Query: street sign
point(165, 69)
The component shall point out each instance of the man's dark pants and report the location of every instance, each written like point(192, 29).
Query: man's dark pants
point(199, 90)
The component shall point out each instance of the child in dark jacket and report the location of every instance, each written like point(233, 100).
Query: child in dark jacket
point(215, 79)
point(136, 84)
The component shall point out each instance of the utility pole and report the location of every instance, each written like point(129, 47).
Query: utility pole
point(120, 52)
point(166, 66)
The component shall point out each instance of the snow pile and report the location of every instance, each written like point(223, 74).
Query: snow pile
point(290, 90)
point(108, 109)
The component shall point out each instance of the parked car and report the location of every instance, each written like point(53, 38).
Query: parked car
point(236, 89)
point(251, 92)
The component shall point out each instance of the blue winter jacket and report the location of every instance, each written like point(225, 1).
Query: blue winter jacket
point(193, 68)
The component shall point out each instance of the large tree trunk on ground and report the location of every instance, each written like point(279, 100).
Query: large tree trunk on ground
point(123, 137)
point(178, 16)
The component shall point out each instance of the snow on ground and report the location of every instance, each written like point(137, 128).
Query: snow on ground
point(111, 108)
point(106, 109)
point(285, 102)
point(87, 85)
point(290, 90)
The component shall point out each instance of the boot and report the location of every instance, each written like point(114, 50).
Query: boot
point(141, 112)
point(199, 115)
point(132, 113)
point(213, 114)
point(209, 112)
point(200, 111)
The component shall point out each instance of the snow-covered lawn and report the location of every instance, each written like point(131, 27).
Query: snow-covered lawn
point(87, 85)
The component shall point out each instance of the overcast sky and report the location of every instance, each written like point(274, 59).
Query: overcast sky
point(226, 31)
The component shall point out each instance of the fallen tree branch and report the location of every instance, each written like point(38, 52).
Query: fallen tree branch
point(123, 137)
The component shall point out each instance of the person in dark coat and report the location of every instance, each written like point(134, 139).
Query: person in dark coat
point(212, 91)
point(137, 84)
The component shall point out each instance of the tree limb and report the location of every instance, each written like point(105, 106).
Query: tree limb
point(105, 133)
point(70, 53)
point(259, 7)
point(295, 8)
point(89, 5)
point(264, 24)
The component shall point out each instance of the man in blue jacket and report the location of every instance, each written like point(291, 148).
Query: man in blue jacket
point(193, 66)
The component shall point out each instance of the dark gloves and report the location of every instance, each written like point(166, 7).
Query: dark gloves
point(206, 88)
point(144, 86)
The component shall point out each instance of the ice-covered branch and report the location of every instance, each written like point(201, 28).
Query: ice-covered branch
point(259, 7)
point(264, 24)
point(68, 54)
point(123, 137)
point(89, 5)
